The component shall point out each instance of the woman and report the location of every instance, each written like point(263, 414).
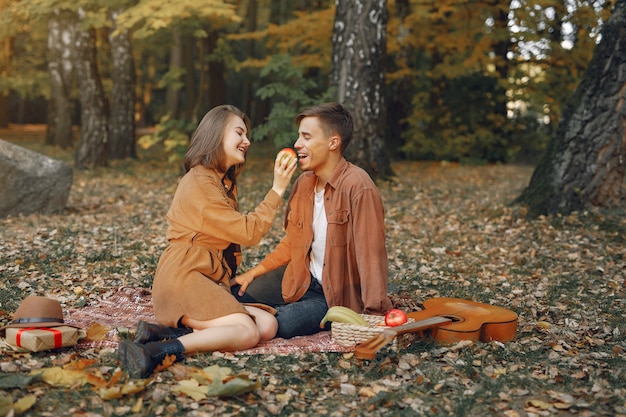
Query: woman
point(191, 289)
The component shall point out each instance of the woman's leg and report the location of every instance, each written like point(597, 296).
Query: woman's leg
point(232, 332)
point(265, 322)
point(229, 333)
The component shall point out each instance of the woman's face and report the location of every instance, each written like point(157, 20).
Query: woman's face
point(235, 141)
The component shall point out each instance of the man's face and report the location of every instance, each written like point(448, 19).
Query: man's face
point(312, 145)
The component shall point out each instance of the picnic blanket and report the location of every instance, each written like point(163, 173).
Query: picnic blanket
point(122, 308)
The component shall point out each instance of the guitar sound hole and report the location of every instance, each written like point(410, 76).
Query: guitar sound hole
point(455, 319)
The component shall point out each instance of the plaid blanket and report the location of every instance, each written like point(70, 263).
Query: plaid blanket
point(123, 308)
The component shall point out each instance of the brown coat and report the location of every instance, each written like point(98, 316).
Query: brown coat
point(192, 278)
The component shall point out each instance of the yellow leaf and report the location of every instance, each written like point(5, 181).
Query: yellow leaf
point(345, 364)
point(192, 388)
point(210, 373)
point(56, 376)
point(97, 331)
point(231, 387)
point(366, 392)
point(138, 406)
point(118, 391)
point(561, 406)
point(24, 404)
point(80, 364)
point(220, 382)
point(96, 380)
point(542, 405)
point(499, 371)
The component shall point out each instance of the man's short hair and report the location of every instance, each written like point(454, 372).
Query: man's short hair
point(334, 119)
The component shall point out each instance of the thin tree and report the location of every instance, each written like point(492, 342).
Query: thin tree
point(358, 75)
point(94, 134)
point(6, 52)
point(584, 163)
point(122, 123)
point(61, 36)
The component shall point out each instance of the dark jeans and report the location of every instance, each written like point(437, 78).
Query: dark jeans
point(294, 319)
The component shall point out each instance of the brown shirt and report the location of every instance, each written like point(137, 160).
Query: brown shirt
point(355, 260)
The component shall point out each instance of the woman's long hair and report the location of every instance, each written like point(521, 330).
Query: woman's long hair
point(206, 143)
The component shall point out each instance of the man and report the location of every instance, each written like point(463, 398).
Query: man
point(333, 252)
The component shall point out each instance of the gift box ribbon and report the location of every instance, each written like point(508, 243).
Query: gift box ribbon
point(58, 336)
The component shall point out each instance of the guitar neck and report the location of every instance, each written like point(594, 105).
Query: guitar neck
point(422, 325)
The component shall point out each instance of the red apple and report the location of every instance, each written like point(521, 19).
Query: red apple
point(287, 153)
point(395, 318)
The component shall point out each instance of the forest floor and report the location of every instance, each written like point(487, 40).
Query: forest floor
point(452, 231)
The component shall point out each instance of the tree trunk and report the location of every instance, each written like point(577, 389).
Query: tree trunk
point(249, 84)
point(93, 146)
point(61, 33)
point(122, 123)
point(172, 94)
point(4, 110)
point(192, 87)
point(358, 75)
point(146, 80)
point(501, 46)
point(400, 90)
point(584, 162)
point(6, 55)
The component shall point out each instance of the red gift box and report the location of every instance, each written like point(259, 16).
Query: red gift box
point(37, 339)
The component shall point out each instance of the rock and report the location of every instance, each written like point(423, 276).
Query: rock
point(31, 182)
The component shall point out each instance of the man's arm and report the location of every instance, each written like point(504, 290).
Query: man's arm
point(371, 251)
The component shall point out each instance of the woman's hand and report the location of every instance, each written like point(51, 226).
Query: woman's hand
point(284, 167)
point(244, 280)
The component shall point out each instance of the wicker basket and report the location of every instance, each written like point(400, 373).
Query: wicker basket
point(347, 334)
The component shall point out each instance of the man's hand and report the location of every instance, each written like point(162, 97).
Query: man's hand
point(244, 280)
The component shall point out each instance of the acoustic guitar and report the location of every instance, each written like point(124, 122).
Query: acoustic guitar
point(447, 321)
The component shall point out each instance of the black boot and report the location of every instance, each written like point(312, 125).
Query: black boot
point(148, 332)
point(141, 360)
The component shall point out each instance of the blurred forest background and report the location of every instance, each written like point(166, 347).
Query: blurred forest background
point(464, 80)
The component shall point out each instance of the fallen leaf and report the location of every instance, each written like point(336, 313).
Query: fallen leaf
point(118, 391)
point(14, 380)
point(542, 405)
point(56, 376)
point(97, 331)
point(24, 404)
point(192, 389)
point(79, 364)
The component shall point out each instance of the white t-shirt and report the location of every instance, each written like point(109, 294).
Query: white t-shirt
point(318, 246)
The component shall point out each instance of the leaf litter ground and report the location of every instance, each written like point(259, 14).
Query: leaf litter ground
point(451, 232)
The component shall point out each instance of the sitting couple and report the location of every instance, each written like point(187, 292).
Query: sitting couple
point(333, 251)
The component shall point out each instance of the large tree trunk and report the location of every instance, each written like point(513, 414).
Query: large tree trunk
point(93, 147)
point(358, 74)
point(122, 124)
point(61, 32)
point(584, 163)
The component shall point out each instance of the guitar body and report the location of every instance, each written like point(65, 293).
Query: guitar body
point(471, 320)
